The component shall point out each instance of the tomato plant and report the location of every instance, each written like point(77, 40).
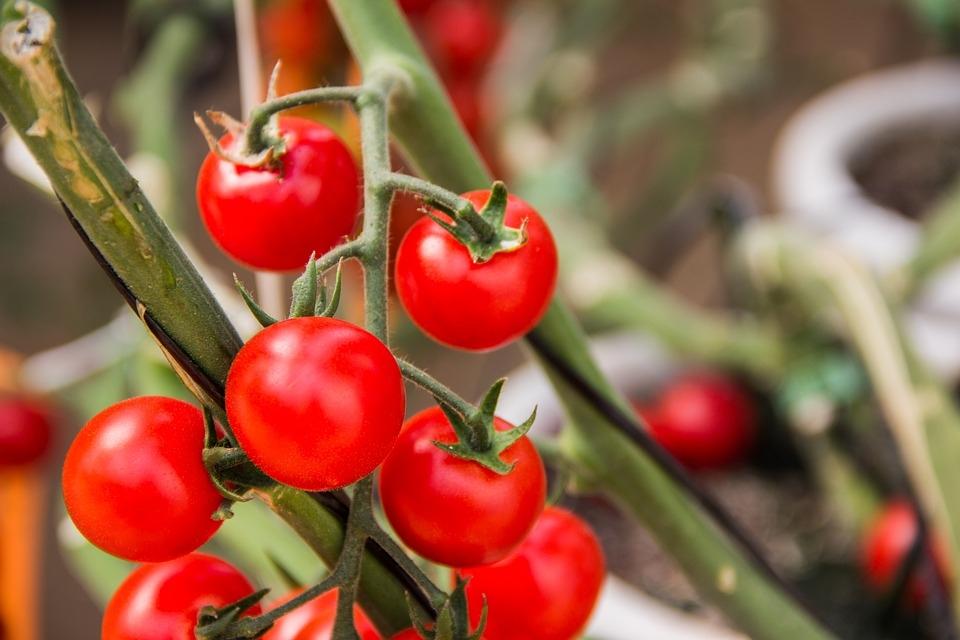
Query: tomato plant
point(25, 431)
point(704, 421)
point(455, 511)
point(316, 403)
point(161, 601)
point(275, 217)
point(134, 481)
point(546, 588)
point(314, 620)
point(447, 293)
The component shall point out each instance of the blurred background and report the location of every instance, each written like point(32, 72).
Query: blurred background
point(662, 126)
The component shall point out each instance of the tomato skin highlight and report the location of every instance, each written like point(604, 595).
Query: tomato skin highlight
point(314, 620)
point(705, 421)
point(316, 403)
point(471, 306)
point(25, 431)
point(134, 482)
point(454, 511)
point(274, 220)
point(547, 588)
point(161, 601)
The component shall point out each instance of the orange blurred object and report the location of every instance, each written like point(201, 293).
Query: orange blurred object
point(298, 32)
point(23, 494)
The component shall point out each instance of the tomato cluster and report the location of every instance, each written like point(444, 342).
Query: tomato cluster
point(706, 421)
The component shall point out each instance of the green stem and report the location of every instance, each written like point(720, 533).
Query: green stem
point(426, 128)
point(260, 116)
point(448, 200)
point(158, 81)
point(107, 206)
point(435, 388)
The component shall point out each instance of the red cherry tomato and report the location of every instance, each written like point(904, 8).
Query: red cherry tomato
point(25, 431)
point(314, 620)
point(465, 96)
point(407, 634)
point(889, 538)
point(315, 402)
point(454, 511)
point(462, 35)
point(476, 306)
point(161, 601)
point(704, 421)
point(134, 481)
point(274, 219)
point(546, 589)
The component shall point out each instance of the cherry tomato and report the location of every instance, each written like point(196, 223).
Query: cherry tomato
point(316, 403)
point(476, 306)
point(407, 634)
point(462, 35)
point(161, 601)
point(546, 589)
point(465, 96)
point(887, 543)
point(134, 481)
point(454, 511)
point(274, 219)
point(25, 431)
point(314, 620)
point(705, 421)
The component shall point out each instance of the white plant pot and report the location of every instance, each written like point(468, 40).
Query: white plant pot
point(815, 192)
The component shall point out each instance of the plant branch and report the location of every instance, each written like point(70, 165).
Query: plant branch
point(435, 388)
point(426, 128)
point(921, 415)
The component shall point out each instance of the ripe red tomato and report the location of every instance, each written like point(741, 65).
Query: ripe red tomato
point(704, 421)
point(407, 634)
point(25, 431)
point(476, 306)
point(161, 601)
point(134, 481)
point(454, 511)
point(546, 589)
point(316, 403)
point(887, 542)
point(462, 35)
point(314, 620)
point(274, 219)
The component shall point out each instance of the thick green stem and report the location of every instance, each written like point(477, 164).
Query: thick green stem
point(435, 388)
point(105, 203)
point(426, 128)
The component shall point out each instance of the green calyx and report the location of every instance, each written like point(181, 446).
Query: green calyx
point(483, 234)
point(213, 623)
point(309, 296)
point(453, 619)
point(477, 438)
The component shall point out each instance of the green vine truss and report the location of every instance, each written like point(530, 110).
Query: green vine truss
point(121, 228)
